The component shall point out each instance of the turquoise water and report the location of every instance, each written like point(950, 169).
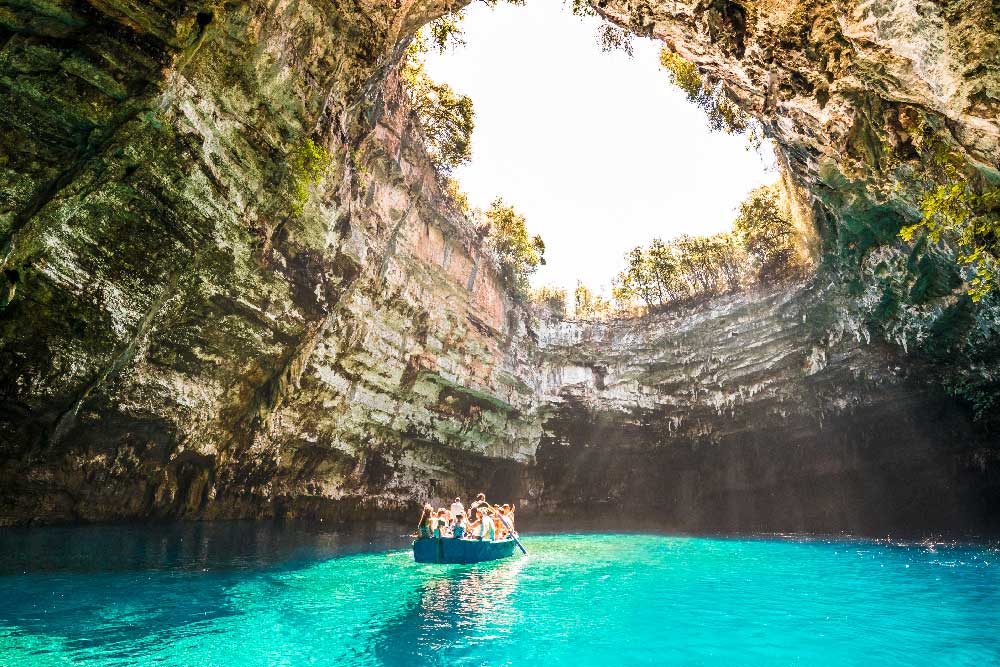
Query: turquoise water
point(249, 598)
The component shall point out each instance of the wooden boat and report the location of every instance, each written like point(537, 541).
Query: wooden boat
point(460, 551)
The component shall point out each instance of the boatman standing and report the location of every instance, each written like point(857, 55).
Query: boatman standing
point(478, 502)
point(457, 508)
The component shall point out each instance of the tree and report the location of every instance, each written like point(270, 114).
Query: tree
point(972, 220)
point(729, 257)
point(552, 299)
point(663, 270)
point(446, 119)
point(687, 266)
point(589, 305)
point(766, 231)
point(712, 97)
point(518, 254)
point(453, 191)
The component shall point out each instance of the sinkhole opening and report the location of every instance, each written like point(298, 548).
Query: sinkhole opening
point(616, 179)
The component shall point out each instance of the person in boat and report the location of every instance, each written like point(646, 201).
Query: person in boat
point(461, 525)
point(507, 513)
point(478, 502)
point(487, 531)
point(426, 518)
point(457, 508)
point(441, 528)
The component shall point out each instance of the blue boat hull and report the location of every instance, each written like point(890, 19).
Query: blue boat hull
point(451, 550)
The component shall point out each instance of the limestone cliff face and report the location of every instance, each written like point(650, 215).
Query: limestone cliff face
point(233, 289)
point(767, 411)
point(867, 101)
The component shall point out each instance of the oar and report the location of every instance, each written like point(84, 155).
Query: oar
point(510, 530)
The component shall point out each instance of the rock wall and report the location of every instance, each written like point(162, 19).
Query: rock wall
point(234, 289)
point(871, 105)
point(767, 411)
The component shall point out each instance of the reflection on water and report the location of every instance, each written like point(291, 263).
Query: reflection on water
point(473, 603)
point(247, 596)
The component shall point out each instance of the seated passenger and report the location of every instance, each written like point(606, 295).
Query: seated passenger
point(476, 504)
point(426, 517)
point(442, 523)
point(487, 531)
point(460, 526)
point(457, 508)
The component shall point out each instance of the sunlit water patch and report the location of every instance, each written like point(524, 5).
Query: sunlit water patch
point(254, 597)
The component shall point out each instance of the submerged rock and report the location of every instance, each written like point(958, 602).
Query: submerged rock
point(235, 289)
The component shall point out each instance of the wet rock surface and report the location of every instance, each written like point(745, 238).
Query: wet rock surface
point(234, 290)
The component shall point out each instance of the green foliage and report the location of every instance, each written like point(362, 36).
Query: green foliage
point(682, 73)
point(588, 305)
point(446, 118)
point(440, 34)
point(673, 271)
point(453, 191)
point(308, 161)
point(956, 212)
point(518, 254)
point(723, 114)
point(759, 250)
point(612, 38)
point(552, 299)
point(766, 232)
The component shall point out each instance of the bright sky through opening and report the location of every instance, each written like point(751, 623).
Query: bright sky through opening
point(599, 151)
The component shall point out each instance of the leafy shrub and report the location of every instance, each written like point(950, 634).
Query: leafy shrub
point(308, 162)
point(723, 114)
point(765, 229)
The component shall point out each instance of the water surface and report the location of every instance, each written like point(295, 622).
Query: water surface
point(250, 595)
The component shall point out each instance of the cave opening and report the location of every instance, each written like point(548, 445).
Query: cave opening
point(339, 302)
point(606, 151)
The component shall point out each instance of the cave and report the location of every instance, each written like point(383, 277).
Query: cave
point(241, 292)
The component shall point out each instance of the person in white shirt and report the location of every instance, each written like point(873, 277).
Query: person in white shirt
point(487, 531)
point(457, 508)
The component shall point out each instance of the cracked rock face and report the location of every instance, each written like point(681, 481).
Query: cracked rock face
point(234, 289)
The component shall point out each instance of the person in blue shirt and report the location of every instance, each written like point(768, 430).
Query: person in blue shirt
point(460, 525)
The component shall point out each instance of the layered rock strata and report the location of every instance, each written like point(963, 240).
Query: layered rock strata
point(872, 105)
point(770, 411)
point(233, 288)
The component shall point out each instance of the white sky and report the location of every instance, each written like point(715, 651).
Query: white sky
point(599, 151)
